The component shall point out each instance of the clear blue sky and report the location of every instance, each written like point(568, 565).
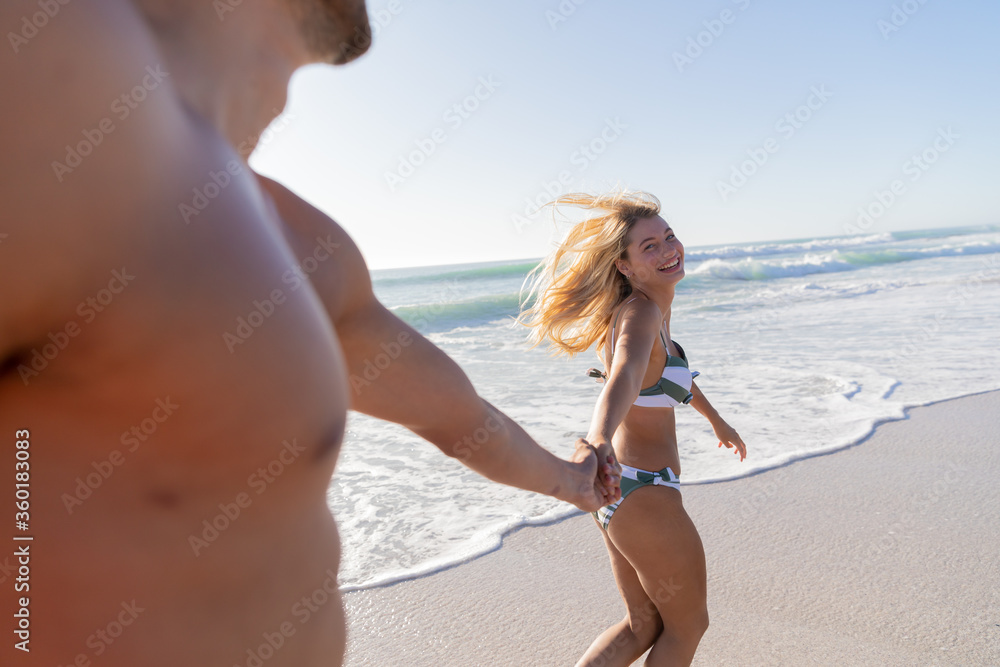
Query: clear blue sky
point(623, 80)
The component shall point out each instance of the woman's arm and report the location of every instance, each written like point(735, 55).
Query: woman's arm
point(638, 330)
point(726, 434)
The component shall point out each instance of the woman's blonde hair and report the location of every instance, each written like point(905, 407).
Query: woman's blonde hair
point(577, 288)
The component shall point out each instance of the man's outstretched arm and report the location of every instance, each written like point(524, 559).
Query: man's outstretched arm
point(398, 375)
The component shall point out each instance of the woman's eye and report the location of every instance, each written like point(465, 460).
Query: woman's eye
point(648, 246)
point(670, 237)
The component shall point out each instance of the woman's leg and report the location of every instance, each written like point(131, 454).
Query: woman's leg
point(622, 643)
point(655, 535)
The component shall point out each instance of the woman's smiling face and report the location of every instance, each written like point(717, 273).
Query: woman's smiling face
point(653, 254)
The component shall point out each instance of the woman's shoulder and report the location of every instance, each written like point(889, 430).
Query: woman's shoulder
point(639, 314)
point(639, 305)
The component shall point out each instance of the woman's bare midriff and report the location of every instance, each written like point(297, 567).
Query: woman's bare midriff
point(647, 437)
point(647, 440)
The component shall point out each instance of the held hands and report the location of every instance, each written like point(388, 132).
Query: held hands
point(598, 475)
point(728, 436)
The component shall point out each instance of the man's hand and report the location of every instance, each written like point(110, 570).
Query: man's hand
point(596, 476)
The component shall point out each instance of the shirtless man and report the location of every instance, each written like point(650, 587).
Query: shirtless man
point(179, 388)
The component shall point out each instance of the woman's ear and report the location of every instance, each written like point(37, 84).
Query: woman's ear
point(622, 268)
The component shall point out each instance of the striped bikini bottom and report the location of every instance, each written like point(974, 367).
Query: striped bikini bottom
point(632, 479)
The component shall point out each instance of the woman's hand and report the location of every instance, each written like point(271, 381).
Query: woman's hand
point(596, 475)
point(609, 474)
point(728, 436)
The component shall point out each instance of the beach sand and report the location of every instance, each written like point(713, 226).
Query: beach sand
point(885, 553)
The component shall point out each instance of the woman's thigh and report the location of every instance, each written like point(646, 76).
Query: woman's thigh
point(654, 533)
point(643, 616)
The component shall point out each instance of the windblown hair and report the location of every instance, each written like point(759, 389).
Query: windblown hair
point(577, 288)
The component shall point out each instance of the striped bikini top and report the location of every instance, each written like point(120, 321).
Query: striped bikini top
point(674, 386)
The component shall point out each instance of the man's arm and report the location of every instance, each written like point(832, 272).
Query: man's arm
point(397, 375)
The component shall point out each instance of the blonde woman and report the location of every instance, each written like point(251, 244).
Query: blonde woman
point(611, 283)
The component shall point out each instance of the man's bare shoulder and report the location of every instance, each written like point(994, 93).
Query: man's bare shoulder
point(91, 87)
point(99, 140)
point(326, 255)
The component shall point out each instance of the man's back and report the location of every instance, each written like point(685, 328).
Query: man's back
point(183, 390)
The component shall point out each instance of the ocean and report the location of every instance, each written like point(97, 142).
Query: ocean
point(804, 346)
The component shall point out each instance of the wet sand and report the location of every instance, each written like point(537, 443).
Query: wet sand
point(885, 553)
